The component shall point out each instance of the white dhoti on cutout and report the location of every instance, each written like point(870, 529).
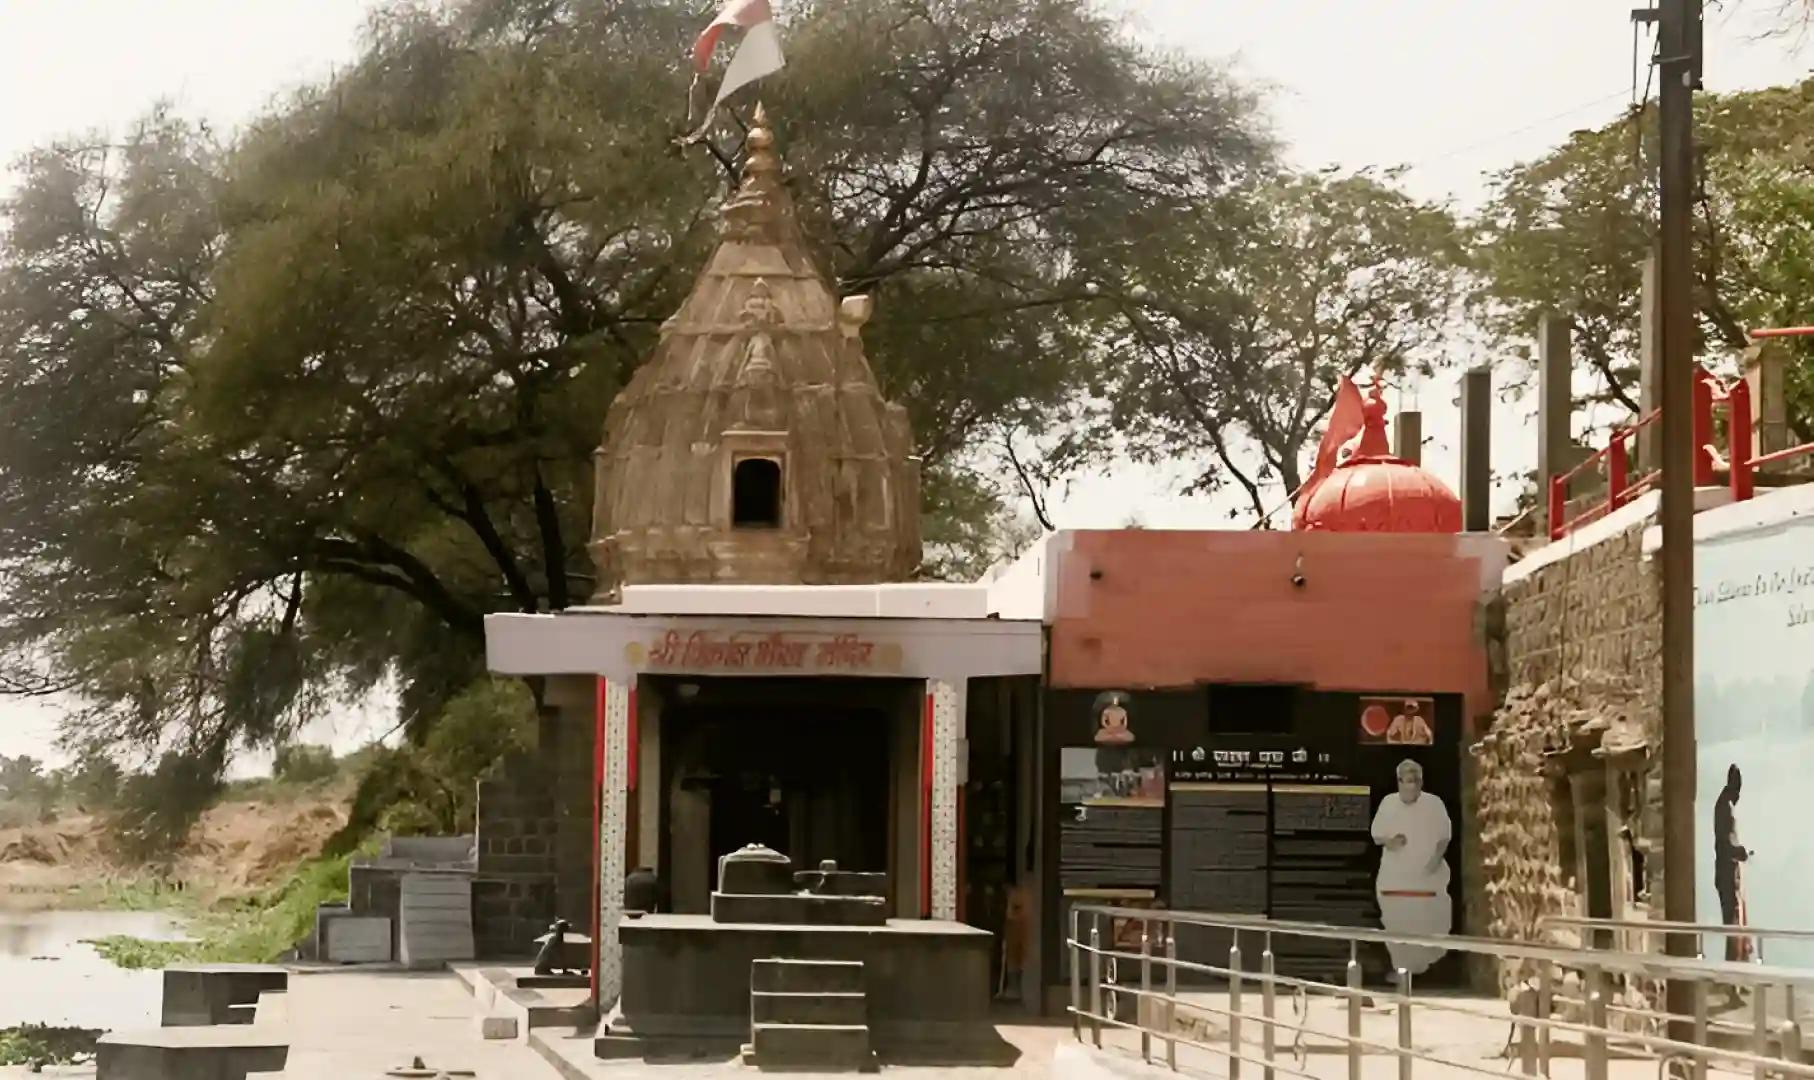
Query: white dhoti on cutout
point(1413, 893)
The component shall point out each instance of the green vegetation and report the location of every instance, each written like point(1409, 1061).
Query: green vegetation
point(36, 1045)
point(253, 930)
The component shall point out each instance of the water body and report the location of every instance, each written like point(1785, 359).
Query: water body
point(48, 976)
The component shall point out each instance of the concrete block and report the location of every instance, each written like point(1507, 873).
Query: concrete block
point(189, 1053)
point(497, 1027)
point(356, 939)
point(201, 994)
point(833, 1046)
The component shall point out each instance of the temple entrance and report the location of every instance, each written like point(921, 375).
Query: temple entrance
point(802, 766)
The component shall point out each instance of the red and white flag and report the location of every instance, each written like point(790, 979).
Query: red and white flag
point(759, 53)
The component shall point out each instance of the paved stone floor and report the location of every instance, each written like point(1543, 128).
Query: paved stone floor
point(348, 1026)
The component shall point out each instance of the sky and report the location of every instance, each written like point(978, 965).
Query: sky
point(1453, 89)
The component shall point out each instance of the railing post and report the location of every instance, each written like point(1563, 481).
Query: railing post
point(1404, 1024)
point(1354, 1014)
point(1594, 985)
point(1096, 978)
point(1703, 427)
point(1076, 979)
point(1558, 505)
point(1788, 1041)
point(1546, 999)
point(1143, 1009)
point(1699, 994)
point(1760, 1029)
point(1266, 1005)
point(1171, 997)
point(1618, 471)
point(1234, 1008)
point(1739, 441)
point(1526, 1008)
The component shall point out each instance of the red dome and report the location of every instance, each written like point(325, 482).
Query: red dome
point(1382, 494)
point(1373, 491)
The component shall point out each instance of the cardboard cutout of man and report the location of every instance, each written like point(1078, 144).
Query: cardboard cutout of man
point(1414, 829)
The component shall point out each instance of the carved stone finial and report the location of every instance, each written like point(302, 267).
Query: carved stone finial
point(854, 313)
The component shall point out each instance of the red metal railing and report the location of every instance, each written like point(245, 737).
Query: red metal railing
point(1709, 394)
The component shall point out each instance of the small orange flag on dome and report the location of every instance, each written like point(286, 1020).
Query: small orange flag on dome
point(1346, 418)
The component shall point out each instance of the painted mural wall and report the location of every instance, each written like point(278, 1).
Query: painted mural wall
point(1754, 718)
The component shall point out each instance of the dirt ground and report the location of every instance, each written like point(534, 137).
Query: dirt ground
point(239, 847)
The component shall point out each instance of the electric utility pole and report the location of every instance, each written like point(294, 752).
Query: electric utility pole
point(1679, 64)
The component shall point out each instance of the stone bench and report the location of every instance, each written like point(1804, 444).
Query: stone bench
point(190, 1053)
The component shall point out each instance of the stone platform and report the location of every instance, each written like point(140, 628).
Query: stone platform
point(687, 981)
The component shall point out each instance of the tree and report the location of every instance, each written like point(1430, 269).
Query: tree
point(284, 415)
point(21, 778)
point(1234, 323)
point(302, 763)
point(1569, 232)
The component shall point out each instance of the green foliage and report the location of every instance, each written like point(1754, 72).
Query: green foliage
point(1233, 323)
point(94, 781)
point(156, 809)
point(257, 930)
point(285, 416)
point(38, 1045)
point(1569, 232)
point(431, 788)
point(300, 763)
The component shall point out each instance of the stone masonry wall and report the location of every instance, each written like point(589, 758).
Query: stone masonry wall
point(535, 838)
point(513, 892)
point(1583, 651)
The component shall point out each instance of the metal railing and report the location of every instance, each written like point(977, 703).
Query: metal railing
point(1711, 395)
point(1566, 1003)
point(1593, 931)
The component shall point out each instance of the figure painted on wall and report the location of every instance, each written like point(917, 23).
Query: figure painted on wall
point(1729, 857)
point(1413, 827)
point(1112, 720)
point(1410, 727)
point(1398, 721)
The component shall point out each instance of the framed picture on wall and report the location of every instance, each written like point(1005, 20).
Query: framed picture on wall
point(1398, 721)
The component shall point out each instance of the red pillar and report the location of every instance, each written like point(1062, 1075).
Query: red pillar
point(1738, 440)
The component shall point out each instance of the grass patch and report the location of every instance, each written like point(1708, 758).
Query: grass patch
point(255, 930)
point(36, 1045)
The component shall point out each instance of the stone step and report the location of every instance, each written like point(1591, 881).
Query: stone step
point(811, 1046)
point(807, 976)
point(812, 1007)
point(190, 1053)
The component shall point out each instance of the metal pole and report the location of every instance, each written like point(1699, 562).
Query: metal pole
point(1354, 1014)
point(1171, 997)
point(1076, 980)
point(1234, 1008)
point(1404, 1025)
point(1266, 1006)
point(1697, 994)
point(1546, 994)
point(1096, 978)
point(1760, 1029)
point(1679, 63)
point(1594, 988)
point(1145, 1004)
